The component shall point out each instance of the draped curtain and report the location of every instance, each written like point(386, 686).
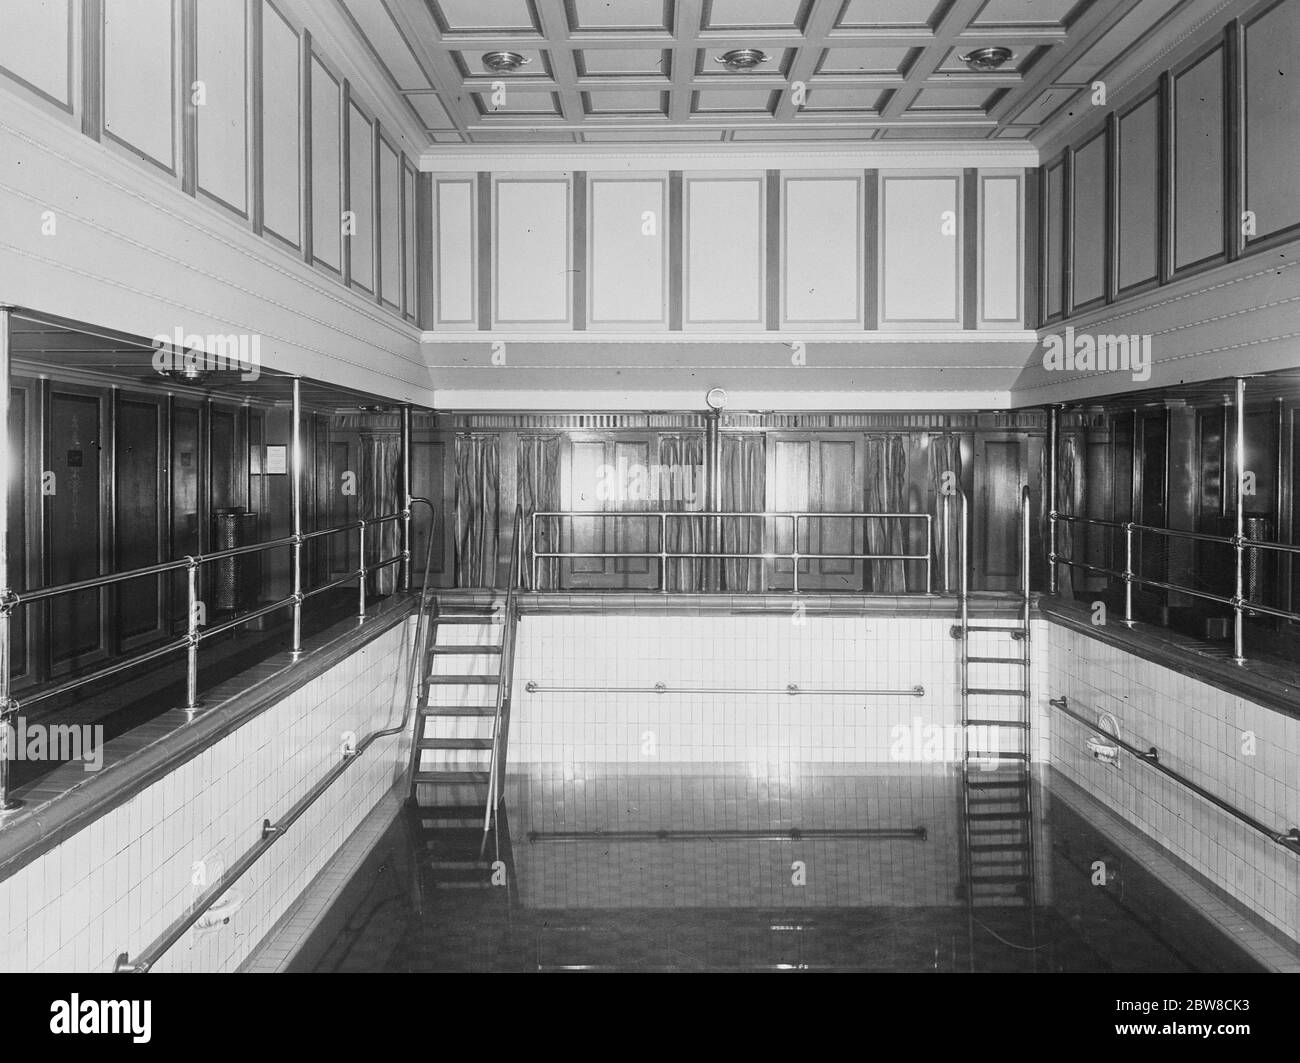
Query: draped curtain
point(886, 493)
point(539, 491)
point(744, 489)
point(945, 458)
point(1067, 493)
point(478, 529)
point(381, 457)
point(682, 457)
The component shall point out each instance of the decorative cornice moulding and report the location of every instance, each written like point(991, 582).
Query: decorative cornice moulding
point(662, 157)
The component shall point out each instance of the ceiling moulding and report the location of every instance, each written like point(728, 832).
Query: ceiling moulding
point(737, 401)
point(1138, 67)
point(784, 336)
point(337, 39)
point(876, 155)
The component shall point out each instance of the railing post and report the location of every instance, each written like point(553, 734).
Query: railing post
point(192, 633)
point(1238, 610)
point(713, 498)
point(663, 553)
point(794, 550)
point(1053, 429)
point(406, 505)
point(295, 504)
point(1128, 573)
point(361, 571)
point(7, 710)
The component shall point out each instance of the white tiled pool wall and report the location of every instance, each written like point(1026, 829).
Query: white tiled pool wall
point(118, 884)
point(1203, 733)
point(763, 652)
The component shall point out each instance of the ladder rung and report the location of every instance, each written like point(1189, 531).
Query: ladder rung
point(996, 723)
point(1005, 691)
point(998, 880)
point(1002, 630)
point(988, 754)
point(997, 660)
point(464, 649)
point(485, 618)
point(451, 776)
point(458, 710)
point(455, 743)
point(465, 680)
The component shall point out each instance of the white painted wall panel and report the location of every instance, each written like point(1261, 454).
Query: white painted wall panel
point(139, 86)
point(921, 248)
point(222, 118)
point(390, 209)
point(724, 251)
point(626, 267)
point(410, 266)
point(281, 117)
point(361, 203)
point(34, 42)
point(532, 260)
point(1000, 249)
point(454, 251)
point(326, 167)
point(822, 259)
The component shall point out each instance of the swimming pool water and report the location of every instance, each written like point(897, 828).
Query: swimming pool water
point(765, 867)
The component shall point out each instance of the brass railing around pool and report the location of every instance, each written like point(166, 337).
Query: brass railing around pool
point(196, 632)
point(713, 526)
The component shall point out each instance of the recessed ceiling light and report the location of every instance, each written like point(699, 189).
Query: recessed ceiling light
point(504, 62)
point(742, 58)
point(987, 58)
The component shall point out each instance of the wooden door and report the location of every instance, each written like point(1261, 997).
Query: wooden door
point(140, 517)
point(591, 482)
point(822, 474)
point(1001, 470)
point(76, 529)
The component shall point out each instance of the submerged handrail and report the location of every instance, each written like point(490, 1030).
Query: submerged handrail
point(1288, 839)
point(271, 833)
point(791, 689)
point(664, 555)
point(505, 676)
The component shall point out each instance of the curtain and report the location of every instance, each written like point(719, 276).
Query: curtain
point(381, 457)
point(886, 493)
point(478, 529)
point(681, 461)
point(744, 489)
point(539, 491)
point(1066, 492)
point(945, 458)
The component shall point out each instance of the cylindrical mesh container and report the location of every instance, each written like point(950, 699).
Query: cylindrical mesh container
point(236, 578)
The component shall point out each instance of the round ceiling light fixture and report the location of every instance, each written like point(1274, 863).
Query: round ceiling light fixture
point(716, 399)
point(985, 59)
point(504, 62)
point(742, 58)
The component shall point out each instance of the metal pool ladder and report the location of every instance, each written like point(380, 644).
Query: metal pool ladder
point(997, 751)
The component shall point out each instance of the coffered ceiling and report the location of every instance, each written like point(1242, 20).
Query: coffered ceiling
point(647, 71)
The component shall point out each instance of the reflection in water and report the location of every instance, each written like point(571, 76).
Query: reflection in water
point(784, 868)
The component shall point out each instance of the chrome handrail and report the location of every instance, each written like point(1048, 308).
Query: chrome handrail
point(271, 833)
point(793, 555)
point(505, 677)
point(790, 689)
point(1288, 839)
point(1239, 602)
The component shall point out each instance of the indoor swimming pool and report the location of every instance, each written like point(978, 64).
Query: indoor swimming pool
point(775, 868)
